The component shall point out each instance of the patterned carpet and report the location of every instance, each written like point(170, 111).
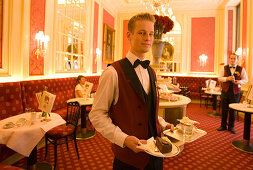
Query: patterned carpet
point(212, 151)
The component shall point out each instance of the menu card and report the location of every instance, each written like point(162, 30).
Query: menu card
point(46, 101)
point(87, 88)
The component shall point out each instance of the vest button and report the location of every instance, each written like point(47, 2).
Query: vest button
point(139, 106)
point(139, 124)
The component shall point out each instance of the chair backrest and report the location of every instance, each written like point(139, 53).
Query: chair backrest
point(73, 112)
point(201, 89)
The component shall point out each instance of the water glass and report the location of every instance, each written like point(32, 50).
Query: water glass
point(245, 103)
point(27, 110)
point(187, 131)
point(33, 116)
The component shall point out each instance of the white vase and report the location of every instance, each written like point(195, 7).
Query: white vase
point(157, 50)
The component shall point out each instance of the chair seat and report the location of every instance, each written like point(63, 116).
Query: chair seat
point(88, 108)
point(60, 131)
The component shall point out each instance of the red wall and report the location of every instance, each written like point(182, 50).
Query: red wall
point(126, 43)
point(230, 33)
point(95, 37)
point(37, 23)
point(244, 33)
point(109, 20)
point(202, 42)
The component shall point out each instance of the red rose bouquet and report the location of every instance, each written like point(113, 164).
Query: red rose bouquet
point(162, 25)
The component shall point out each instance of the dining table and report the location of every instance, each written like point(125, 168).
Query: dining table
point(214, 93)
point(84, 133)
point(22, 134)
point(173, 107)
point(244, 145)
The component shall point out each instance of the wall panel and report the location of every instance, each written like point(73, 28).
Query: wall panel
point(202, 42)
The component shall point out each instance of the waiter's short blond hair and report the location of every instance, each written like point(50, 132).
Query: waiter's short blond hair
point(139, 17)
point(233, 53)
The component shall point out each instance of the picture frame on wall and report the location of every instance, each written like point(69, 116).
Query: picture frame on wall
point(109, 44)
point(168, 51)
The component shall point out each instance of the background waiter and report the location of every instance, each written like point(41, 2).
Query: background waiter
point(232, 77)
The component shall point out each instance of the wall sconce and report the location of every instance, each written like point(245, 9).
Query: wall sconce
point(202, 60)
point(42, 41)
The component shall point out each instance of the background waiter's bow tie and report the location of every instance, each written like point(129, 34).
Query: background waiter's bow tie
point(144, 63)
point(231, 67)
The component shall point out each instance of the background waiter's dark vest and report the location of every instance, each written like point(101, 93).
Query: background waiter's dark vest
point(229, 86)
point(136, 113)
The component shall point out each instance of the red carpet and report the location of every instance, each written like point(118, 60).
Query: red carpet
point(212, 151)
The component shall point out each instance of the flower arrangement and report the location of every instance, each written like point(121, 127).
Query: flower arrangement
point(162, 25)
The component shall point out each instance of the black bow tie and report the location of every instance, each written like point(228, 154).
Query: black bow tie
point(144, 63)
point(231, 67)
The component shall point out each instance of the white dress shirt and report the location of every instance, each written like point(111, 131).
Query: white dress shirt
point(244, 77)
point(108, 94)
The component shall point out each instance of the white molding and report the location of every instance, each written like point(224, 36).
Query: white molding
point(25, 44)
point(15, 39)
point(217, 14)
point(49, 59)
point(88, 61)
point(5, 71)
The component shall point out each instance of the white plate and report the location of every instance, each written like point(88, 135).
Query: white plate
point(150, 148)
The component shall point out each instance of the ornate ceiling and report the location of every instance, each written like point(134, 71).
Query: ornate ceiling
point(135, 5)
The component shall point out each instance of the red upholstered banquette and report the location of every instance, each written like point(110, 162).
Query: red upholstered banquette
point(16, 96)
point(194, 83)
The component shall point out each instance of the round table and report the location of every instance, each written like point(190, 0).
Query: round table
point(84, 133)
point(245, 144)
point(19, 138)
point(173, 110)
point(214, 93)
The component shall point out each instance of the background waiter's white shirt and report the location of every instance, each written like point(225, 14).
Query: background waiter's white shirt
point(107, 94)
point(244, 77)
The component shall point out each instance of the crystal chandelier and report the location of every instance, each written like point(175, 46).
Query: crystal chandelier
point(160, 7)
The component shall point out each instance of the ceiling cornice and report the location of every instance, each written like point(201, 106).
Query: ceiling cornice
point(132, 6)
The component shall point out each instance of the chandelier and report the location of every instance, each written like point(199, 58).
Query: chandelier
point(160, 7)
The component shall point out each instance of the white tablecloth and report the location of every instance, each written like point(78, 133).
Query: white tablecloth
point(182, 100)
point(241, 107)
point(82, 101)
point(24, 139)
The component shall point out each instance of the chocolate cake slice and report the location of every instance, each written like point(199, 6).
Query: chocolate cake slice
point(163, 145)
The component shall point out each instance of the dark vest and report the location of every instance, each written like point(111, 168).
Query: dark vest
point(136, 113)
point(226, 86)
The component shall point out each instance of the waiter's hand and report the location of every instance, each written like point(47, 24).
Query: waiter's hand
point(230, 78)
point(237, 82)
point(132, 142)
point(169, 126)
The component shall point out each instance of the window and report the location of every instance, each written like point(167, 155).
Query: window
point(71, 42)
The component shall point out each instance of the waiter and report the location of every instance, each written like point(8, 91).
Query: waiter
point(232, 76)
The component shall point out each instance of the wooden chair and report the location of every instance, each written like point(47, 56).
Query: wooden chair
point(204, 96)
point(68, 132)
point(184, 90)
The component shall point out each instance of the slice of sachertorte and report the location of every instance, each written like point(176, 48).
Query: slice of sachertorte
point(163, 144)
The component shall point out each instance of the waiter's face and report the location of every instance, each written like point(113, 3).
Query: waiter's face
point(141, 38)
point(233, 60)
